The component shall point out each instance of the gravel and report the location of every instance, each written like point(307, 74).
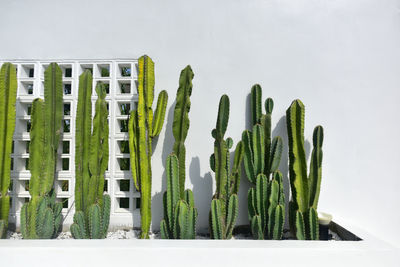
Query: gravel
point(134, 234)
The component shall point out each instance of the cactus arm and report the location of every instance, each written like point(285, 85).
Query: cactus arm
point(8, 96)
point(105, 215)
point(180, 124)
point(220, 152)
point(236, 171)
point(248, 157)
point(278, 219)
point(94, 221)
point(275, 155)
point(258, 148)
point(172, 194)
point(256, 109)
point(37, 148)
point(80, 222)
point(134, 148)
point(312, 231)
point(216, 219)
point(266, 125)
point(159, 115)
point(191, 226)
point(76, 232)
point(262, 199)
point(316, 166)
point(300, 229)
point(251, 203)
point(297, 157)
point(98, 158)
point(231, 215)
point(273, 200)
point(82, 139)
point(164, 230)
point(25, 220)
point(53, 112)
point(256, 228)
point(223, 115)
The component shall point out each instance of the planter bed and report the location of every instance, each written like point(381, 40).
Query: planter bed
point(367, 251)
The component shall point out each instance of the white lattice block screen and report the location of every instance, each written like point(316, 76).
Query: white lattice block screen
point(120, 77)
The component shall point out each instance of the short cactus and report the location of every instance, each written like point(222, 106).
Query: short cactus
point(41, 217)
point(92, 206)
point(8, 96)
point(95, 224)
point(224, 205)
point(180, 213)
point(142, 129)
point(266, 201)
point(303, 216)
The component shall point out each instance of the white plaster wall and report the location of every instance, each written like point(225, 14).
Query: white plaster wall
point(341, 58)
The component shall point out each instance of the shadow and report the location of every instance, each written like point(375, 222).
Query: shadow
point(307, 149)
point(202, 191)
point(157, 211)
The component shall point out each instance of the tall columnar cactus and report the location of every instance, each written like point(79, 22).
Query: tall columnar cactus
point(180, 213)
point(41, 217)
point(224, 205)
point(92, 215)
point(142, 129)
point(266, 202)
point(8, 96)
point(181, 122)
point(305, 189)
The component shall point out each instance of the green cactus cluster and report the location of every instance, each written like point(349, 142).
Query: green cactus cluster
point(142, 129)
point(266, 202)
point(180, 214)
point(41, 216)
point(8, 96)
point(303, 216)
point(92, 206)
point(93, 225)
point(224, 205)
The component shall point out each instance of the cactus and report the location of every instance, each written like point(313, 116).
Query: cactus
point(95, 224)
point(180, 214)
point(266, 201)
point(224, 205)
point(8, 96)
point(305, 189)
point(92, 208)
point(181, 122)
point(41, 217)
point(142, 129)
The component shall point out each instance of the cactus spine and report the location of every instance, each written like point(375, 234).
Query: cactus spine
point(92, 215)
point(142, 129)
point(180, 214)
point(266, 201)
point(305, 189)
point(224, 205)
point(8, 96)
point(41, 217)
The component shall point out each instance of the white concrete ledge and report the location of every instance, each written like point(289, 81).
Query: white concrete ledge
point(368, 252)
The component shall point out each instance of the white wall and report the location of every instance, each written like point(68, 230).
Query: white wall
point(341, 58)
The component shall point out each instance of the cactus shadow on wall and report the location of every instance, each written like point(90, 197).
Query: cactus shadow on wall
point(202, 191)
point(157, 199)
